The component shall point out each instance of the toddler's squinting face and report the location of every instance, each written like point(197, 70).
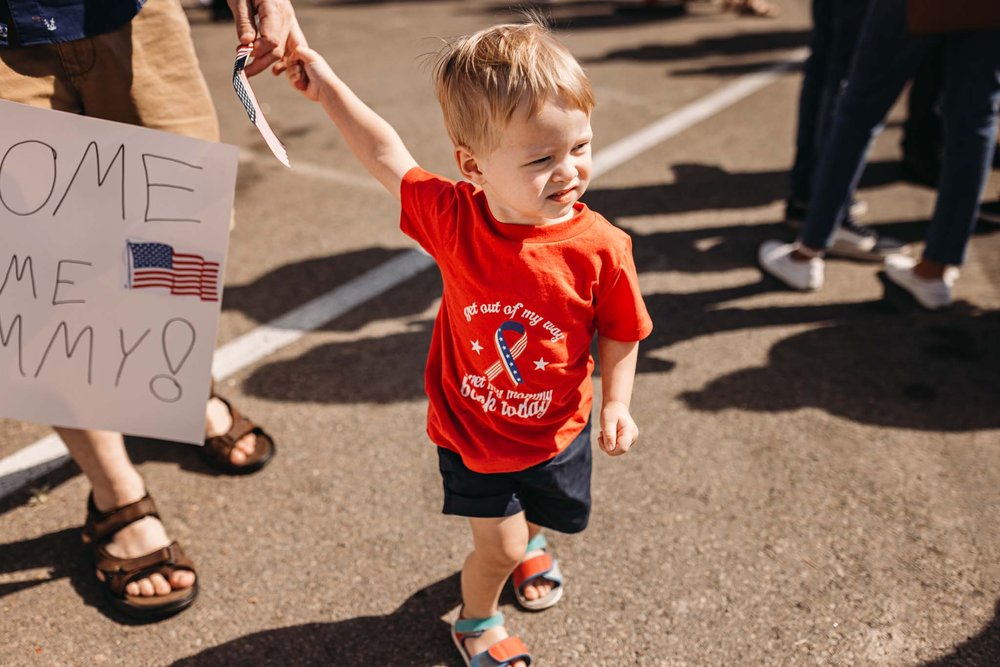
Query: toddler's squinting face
point(540, 167)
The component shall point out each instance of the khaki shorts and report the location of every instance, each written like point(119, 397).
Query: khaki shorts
point(144, 73)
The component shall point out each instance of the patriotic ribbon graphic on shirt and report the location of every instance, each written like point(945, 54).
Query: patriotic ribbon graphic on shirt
point(508, 353)
point(243, 91)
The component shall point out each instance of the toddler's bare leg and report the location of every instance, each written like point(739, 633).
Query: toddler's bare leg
point(499, 546)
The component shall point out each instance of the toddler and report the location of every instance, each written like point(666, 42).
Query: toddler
point(530, 274)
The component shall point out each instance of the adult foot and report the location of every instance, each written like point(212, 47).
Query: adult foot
point(218, 421)
point(139, 538)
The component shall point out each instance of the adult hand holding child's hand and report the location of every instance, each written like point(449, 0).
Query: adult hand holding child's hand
point(268, 25)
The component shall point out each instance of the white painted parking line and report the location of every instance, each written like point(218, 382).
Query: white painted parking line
point(318, 171)
point(37, 459)
point(674, 123)
point(276, 334)
point(29, 463)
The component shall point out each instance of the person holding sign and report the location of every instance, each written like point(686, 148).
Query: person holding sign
point(134, 62)
point(530, 275)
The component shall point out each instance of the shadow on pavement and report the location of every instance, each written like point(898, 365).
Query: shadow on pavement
point(379, 370)
point(590, 14)
point(730, 247)
point(908, 369)
point(980, 650)
point(735, 44)
point(196, 16)
point(183, 455)
point(412, 635)
point(287, 287)
point(578, 15)
point(44, 483)
point(698, 187)
point(733, 70)
point(704, 250)
point(53, 552)
point(62, 554)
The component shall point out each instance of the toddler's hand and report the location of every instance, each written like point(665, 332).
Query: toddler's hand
point(618, 429)
point(304, 68)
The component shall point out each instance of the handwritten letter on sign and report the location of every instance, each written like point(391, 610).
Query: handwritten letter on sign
point(112, 249)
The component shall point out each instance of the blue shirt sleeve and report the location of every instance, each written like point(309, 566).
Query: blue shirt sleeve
point(31, 22)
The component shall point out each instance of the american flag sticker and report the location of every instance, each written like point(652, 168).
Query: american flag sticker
point(243, 91)
point(159, 265)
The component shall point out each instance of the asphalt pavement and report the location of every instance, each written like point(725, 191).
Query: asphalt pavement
point(817, 480)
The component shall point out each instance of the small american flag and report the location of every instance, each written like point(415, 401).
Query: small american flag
point(242, 86)
point(159, 265)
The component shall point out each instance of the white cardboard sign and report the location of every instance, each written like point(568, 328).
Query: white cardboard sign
point(113, 242)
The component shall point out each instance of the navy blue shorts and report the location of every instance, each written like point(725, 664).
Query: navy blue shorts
point(554, 494)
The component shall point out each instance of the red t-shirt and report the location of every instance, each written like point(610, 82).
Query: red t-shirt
point(508, 371)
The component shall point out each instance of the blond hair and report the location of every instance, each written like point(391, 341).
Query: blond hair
point(481, 79)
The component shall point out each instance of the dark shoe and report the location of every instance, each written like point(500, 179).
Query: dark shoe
point(120, 572)
point(990, 212)
point(857, 241)
point(218, 447)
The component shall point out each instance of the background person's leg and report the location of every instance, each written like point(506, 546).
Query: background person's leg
point(847, 21)
point(969, 108)
point(885, 58)
point(922, 131)
point(811, 99)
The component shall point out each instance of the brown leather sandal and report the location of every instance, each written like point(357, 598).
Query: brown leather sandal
point(119, 572)
point(218, 447)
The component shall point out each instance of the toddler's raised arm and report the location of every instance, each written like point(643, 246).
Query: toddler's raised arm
point(372, 140)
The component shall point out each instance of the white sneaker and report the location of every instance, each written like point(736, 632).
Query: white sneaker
point(932, 294)
point(775, 257)
point(858, 208)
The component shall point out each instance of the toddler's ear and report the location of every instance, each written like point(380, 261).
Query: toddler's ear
point(468, 165)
